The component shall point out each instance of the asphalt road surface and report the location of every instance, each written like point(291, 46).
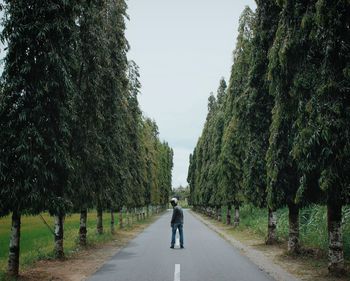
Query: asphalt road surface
point(206, 257)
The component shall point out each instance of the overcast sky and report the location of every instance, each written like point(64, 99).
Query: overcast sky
point(183, 48)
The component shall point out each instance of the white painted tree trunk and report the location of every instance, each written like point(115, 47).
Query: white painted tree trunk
point(13, 261)
point(236, 219)
point(59, 234)
point(138, 214)
point(128, 217)
point(272, 225)
point(83, 228)
point(335, 239)
point(219, 213)
point(293, 240)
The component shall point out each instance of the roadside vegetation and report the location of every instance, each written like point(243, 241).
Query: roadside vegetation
point(313, 226)
point(36, 236)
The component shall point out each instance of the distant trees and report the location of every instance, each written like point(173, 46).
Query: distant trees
point(72, 135)
point(182, 193)
point(284, 117)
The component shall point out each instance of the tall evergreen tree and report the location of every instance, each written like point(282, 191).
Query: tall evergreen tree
point(136, 183)
point(257, 117)
point(86, 147)
point(288, 55)
point(217, 131)
point(233, 151)
point(35, 112)
point(322, 145)
point(114, 94)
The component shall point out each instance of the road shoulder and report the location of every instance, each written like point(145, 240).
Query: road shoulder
point(271, 259)
point(85, 262)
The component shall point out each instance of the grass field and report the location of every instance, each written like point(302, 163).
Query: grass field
point(37, 241)
point(313, 225)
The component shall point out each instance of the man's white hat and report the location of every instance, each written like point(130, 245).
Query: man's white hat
point(174, 200)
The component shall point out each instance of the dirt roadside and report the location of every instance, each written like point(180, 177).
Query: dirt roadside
point(84, 263)
point(272, 259)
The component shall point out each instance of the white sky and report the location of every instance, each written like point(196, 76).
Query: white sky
point(183, 48)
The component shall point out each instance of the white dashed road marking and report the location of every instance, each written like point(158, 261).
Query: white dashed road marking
point(177, 272)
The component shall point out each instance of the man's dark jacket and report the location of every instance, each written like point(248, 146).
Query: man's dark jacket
point(178, 215)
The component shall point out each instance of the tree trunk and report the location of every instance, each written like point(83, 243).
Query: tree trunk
point(121, 224)
point(228, 214)
point(335, 239)
point(271, 230)
point(83, 229)
point(236, 220)
point(293, 241)
point(59, 234)
point(128, 217)
point(210, 212)
point(219, 213)
point(131, 216)
point(143, 213)
point(112, 222)
point(99, 221)
point(147, 210)
point(13, 262)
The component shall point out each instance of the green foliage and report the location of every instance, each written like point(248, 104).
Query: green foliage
point(159, 164)
point(259, 103)
point(313, 225)
point(35, 110)
point(287, 56)
point(322, 145)
point(86, 146)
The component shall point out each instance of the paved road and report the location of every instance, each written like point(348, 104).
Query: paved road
point(206, 257)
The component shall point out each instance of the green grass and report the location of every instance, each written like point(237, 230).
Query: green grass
point(37, 242)
point(313, 225)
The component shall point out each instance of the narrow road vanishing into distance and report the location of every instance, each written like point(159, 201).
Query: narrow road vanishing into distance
point(206, 257)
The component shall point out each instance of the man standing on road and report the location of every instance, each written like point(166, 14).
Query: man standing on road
point(177, 222)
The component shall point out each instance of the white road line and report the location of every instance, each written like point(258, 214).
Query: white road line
point(177, 242)
point(177, 272)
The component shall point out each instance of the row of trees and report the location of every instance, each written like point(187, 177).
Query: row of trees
point(278, 134)
point(72, 135)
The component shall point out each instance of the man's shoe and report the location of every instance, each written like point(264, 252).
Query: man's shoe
point(182, 247)
point(171, 247)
